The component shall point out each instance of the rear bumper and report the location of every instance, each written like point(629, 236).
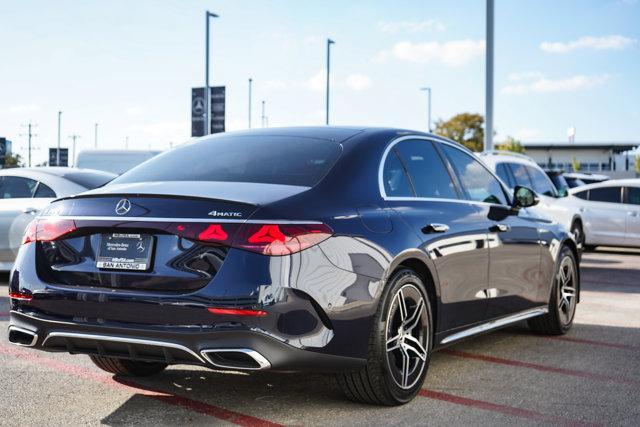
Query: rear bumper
point(233, 349)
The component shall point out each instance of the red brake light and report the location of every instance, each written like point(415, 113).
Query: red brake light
point(267, 239)
point(280, 239)
point(20, 296)
point(47, 230)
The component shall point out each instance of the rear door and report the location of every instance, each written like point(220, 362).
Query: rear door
point(605, 216)
point(632, 199)
point(419, 186)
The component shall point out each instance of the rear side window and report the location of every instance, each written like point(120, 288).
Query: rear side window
point(15, 187)
point(520, 175)
point(582, 194)
point(44, 192)
point(396, 182)
point(541, 183)
point(605, 194)
point(427, 171)
point(271, 159)
point(633, 195)
point(476, 180)
point(504, 174)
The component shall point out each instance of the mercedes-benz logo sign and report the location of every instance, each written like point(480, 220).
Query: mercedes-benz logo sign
point(123, 207)
point(140, 246)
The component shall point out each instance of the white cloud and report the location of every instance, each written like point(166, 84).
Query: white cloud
point(613, 42)
point(134, 111)
point(541, 84)
point(358, 81)
point(453, 53)
point(411, 26)
point(318, 81)
point(524, 75)
point(23, 108)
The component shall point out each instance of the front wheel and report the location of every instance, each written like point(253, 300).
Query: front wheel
point(400, 346)
point(564, 298)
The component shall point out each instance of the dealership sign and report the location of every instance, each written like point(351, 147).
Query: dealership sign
point(199, 109)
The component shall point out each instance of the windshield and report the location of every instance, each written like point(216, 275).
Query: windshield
point(574, 182)
point(257, 158)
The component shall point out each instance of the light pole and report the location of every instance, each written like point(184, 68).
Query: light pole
point(250, 84)
point(207, 89)
point(58, 151)
point(488, 128)
point(95, 135)
point(329, 43)
point(428, 90)
point(73, 138)
point(264, 117)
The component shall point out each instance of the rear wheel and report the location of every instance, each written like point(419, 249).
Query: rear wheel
point(564, 298)
point(400, 346)
point(127, 367)
point(578, 235)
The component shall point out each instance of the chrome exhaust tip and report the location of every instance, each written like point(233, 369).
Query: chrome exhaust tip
point(22, 337)
point(236, 358)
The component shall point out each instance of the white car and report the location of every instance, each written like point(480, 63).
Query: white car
point(26, 191)
point(114, 161)
point(611, 212)
point(517, 169)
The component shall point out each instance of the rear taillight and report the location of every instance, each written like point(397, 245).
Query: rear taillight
point(47, 230)
point(268, 239)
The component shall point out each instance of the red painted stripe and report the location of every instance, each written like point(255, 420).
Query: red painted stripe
point(496, 407)
point(598, 343)
point(543, 368)
point(132, 386)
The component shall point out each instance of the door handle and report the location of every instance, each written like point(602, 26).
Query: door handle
point(499, 228)
point(435, 228)
point(582, 209)
point(632, 213)
point(29, 210)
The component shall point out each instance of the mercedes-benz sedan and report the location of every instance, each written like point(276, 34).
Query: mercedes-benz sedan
point(347, 250)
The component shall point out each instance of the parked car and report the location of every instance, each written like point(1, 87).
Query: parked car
point(559, 181)
point(611, 212)
point(348, 250)
point(26, 191)
point(519, 170)
point(577, 179)
point(114, 161)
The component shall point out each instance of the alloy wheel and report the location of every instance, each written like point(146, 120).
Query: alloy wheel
point(566, 290)
point(407, 336)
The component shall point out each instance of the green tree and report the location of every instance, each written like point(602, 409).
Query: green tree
point(575, 164)
point(511, 144)
point(13, 161)
point(465, 128)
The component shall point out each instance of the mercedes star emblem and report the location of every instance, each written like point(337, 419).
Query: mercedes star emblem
point(123, 207)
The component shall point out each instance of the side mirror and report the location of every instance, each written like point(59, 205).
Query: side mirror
point(563, 192)
point(524, 197)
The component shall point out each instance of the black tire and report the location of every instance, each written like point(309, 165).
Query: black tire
point(589, 248)
point(127, 367)
point(578, 233)
point(563, 300)
point(379, 382)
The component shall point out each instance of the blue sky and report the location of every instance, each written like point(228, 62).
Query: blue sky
point(129, 65)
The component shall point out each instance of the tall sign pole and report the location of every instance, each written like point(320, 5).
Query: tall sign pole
point(58, 151)
point(488, 128)
point(207, 90)
point(329, 43)
point(250, 84)
point(95, 135)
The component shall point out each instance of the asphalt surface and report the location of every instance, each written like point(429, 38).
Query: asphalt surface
point(589, 376)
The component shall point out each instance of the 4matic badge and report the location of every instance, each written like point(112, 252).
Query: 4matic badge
point(222, 214)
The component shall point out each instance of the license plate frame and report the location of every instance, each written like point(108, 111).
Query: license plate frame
point(125, 251)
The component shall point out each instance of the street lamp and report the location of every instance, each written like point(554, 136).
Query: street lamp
point(428, 90)
point(207, 93)
point(250, 84)
point(329, 43)
point(58, 151)
point(488, 127)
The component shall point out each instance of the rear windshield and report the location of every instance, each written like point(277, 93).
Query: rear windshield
point(89, 180)
point(261, 159)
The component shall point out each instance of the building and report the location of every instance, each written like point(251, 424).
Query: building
point(612, 158)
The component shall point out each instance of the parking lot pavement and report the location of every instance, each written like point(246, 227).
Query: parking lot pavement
point(589, 376)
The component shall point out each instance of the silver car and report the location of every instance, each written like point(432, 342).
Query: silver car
point(25, 191)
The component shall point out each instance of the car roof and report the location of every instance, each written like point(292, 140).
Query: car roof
point(48, 170)
point(500, 157)
point(629, 182)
